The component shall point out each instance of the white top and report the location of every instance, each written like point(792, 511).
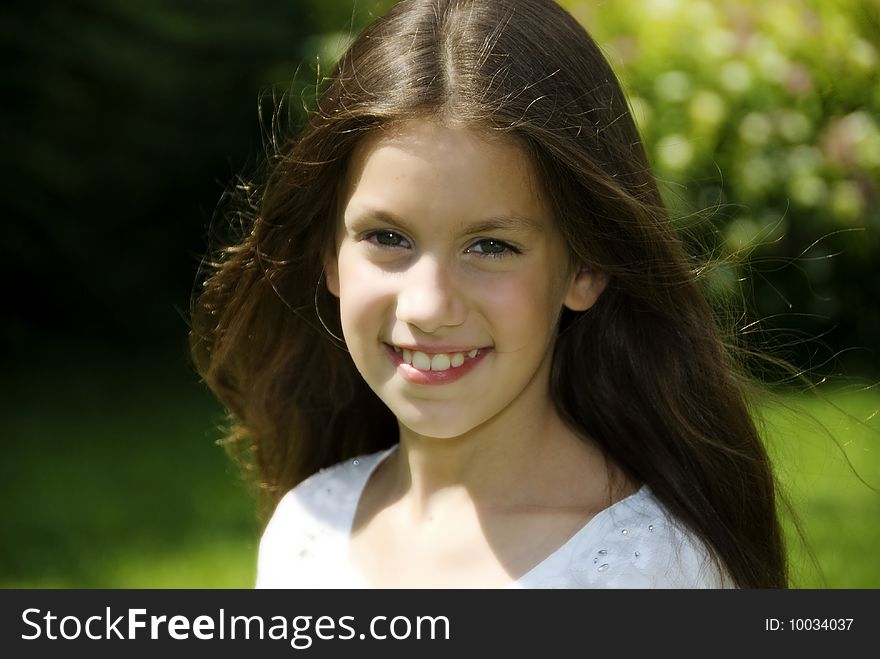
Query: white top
point(635, 543)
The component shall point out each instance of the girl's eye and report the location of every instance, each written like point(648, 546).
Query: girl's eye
point(386, 238)
point(493, 248)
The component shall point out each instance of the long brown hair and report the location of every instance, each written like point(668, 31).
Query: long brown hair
point(646, 372)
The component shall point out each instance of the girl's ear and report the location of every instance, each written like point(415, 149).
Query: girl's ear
point(331, 272)
point(585, 288)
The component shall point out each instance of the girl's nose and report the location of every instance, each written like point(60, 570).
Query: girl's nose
point(429, 298)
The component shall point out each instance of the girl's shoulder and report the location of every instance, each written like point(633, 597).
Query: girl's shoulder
point(635, 543)
point(307, 534)
point(328, 494)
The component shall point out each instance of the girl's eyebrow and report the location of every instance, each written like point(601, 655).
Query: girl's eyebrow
point(375, 215)
point(495, 223)
point(505, 222)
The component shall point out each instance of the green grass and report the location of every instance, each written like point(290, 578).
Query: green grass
point(823, 452)
point(111, 478)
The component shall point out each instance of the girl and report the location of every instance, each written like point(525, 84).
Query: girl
point(506, 375)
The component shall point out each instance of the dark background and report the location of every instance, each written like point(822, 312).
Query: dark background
point(122, 126)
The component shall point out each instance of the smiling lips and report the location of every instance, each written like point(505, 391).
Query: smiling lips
point(436, 368)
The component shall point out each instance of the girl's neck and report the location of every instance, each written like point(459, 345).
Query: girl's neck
point(510, 462)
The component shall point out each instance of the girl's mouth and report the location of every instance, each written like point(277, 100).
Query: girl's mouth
point(421, 367)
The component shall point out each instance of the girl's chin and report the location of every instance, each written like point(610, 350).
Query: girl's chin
point(437, 426)
point(441, 434)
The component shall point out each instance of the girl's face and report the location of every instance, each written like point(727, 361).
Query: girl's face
point(451, 277)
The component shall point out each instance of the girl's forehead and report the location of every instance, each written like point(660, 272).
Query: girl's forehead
point(428, 128)
point(424, 162)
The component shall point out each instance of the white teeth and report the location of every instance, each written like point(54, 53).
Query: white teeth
point(440, 362)
point(436, 362)
point(421, 361)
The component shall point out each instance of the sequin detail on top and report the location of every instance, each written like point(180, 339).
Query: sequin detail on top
point(634, 543)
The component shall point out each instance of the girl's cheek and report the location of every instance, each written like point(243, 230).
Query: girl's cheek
point(355, 271)
point(522, 293)
point(522, 308)
point(363, 285)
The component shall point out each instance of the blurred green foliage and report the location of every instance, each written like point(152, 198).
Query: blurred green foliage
point(124, 124)
point(767, 116)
